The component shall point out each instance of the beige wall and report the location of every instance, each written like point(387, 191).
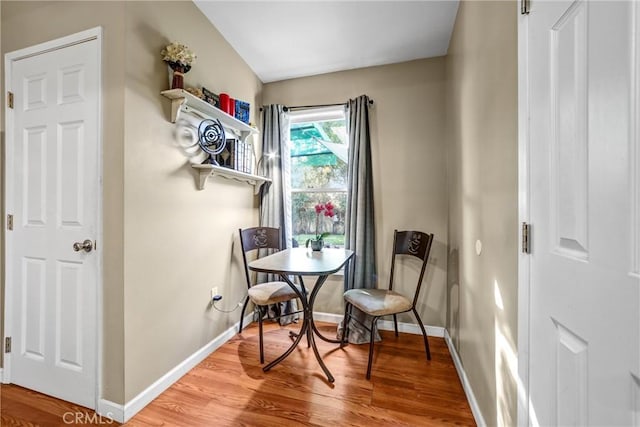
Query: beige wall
point(165, 243)
point(179, 241)
point(408, 159)
point(481, 69)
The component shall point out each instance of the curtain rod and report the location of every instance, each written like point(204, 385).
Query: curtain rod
point(302, 107)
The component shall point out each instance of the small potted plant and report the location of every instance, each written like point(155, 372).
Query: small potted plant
point(317, 243)
point(180, 58)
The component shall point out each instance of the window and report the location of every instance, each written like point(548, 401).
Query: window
point(319, 145)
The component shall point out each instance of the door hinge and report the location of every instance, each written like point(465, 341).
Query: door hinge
point(7, 345)
point(10, 99)
point(525, 6)
point(9, 222)
point(526, 238)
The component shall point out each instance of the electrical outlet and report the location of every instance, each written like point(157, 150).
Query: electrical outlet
point(214, 292)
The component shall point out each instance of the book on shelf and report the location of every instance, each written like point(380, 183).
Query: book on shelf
point(242, 111)
point(237, 155)
point(248, 158)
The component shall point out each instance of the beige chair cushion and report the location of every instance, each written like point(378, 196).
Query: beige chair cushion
point(271, 293)
point(377, 302)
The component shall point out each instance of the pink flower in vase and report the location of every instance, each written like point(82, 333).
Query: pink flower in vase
point(328, 210)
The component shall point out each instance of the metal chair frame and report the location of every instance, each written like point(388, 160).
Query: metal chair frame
point(403, 244)
point(269, 238)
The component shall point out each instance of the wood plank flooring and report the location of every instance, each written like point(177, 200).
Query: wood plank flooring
point(229, 388)
point(22, 407)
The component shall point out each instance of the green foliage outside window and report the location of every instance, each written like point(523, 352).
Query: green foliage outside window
point(316, 166)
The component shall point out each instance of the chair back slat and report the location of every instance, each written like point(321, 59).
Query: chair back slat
point(412, 243)
point(258, 238)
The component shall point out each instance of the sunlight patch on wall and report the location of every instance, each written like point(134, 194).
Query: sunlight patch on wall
point(497, 295)
point(506, 368)
point(635, 386)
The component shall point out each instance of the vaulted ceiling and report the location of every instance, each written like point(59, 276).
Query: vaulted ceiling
point(287, 39)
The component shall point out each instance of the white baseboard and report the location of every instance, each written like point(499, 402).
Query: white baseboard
point(1, 376)
point(327, 317)
point(108, 409)
point(123, 413)
point(385, 325)
point(475, 409)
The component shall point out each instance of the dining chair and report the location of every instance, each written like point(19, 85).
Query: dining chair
point(384, 302)
point(264, 294)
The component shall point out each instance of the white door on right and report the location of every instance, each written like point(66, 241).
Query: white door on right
point(584, 360)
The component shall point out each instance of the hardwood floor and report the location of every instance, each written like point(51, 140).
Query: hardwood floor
point(229, 388)
point(22, 407)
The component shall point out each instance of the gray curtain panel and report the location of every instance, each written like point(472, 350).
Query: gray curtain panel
point(275, 202)
point(360, 232)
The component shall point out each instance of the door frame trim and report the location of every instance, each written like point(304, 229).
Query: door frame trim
point(9, 58)
point(634, 152)
point(524, 259)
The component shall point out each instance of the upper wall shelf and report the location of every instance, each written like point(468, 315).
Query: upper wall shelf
point(180, 98)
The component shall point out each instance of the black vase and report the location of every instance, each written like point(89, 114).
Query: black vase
point(317, 245)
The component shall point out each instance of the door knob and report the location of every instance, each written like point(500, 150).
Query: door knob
point(86, 246)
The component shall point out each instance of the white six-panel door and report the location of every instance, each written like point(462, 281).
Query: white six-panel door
point(53, 194)
point(584, 323)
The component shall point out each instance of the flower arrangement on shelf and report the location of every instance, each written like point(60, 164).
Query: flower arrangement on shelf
point(318, 242)
point(195, 92)
point(180, 58)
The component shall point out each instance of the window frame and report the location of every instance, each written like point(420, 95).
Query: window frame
point(317, 114)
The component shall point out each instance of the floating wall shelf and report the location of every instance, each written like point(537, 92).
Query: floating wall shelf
point(183, 100)
point(205, 171)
